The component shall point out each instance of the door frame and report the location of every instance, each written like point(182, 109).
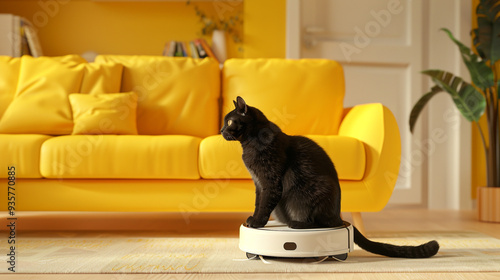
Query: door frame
point(446, 174)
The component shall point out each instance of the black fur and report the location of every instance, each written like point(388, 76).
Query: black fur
point(295, 180)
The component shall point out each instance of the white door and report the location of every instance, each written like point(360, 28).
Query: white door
point(383, 45)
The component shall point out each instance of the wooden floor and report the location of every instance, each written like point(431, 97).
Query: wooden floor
point(215, 225)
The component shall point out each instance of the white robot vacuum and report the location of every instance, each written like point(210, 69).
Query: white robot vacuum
point(278, 240)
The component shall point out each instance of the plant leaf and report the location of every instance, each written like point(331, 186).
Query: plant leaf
point(486, 35)
point(497, 71)
point(470, 102)
point(480, 73)
point(419, 106)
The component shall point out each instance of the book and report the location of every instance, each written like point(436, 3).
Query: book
point(183, 49)
point(201, 52)
point(208, 50)
point(171, 48)
point(178, 49)
point(32, 38)
point(194, 52)
point(166, 49)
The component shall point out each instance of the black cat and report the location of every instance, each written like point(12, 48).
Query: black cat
point(295, 180)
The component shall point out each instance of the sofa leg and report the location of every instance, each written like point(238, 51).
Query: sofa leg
point(358, 221)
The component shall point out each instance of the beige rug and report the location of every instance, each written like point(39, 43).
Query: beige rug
point(460, 252)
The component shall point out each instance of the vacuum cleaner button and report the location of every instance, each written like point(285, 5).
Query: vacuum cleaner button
point(290, 246)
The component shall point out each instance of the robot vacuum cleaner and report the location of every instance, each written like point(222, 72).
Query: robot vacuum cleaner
point(278, 240)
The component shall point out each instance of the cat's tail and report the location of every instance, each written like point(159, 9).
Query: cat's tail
point(426, 250)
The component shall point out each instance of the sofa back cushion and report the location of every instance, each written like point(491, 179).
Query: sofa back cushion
point(301, 96)
point(35, 91)
point(41, 104)
point(101, 78)
point(9, 73)
point(175, 95)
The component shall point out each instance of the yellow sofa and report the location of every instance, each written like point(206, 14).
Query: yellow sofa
point(78, 145)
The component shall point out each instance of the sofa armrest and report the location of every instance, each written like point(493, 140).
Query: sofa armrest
point(376, 127)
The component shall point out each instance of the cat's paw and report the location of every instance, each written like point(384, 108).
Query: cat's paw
point(249, 220)
point(255, 223)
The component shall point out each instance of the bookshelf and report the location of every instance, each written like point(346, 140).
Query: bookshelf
point(163, 0)
point(18, 37)
point(197, 48)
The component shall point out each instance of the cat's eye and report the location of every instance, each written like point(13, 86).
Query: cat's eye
point(229, 122)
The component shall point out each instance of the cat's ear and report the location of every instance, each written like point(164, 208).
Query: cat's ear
point(241, 106)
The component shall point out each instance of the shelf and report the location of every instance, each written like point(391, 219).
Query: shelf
point(164, 0)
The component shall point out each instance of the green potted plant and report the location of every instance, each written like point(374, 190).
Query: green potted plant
point(476, 98)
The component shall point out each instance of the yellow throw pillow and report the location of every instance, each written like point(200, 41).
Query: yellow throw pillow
point(106, 113)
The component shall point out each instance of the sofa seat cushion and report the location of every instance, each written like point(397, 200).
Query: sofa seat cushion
point(220, 159)
point(23, 152)
point(120, 157)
